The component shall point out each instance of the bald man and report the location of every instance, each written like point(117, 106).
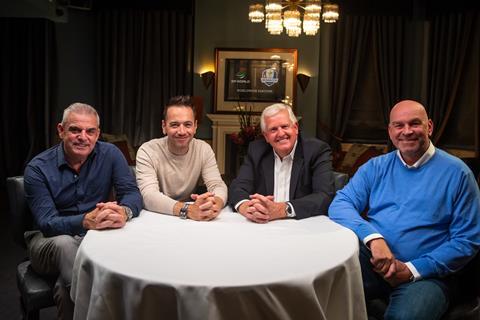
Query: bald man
point(423, 218)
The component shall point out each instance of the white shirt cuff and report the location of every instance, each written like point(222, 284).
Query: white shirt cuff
point(239, 203)
point(416, 276)
point(371, 237)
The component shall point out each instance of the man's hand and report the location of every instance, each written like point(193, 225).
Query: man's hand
point(401, 275)
point(206, 207)
point(262, 209)
point(382, 259)
point(105, 215)
point(113, 212)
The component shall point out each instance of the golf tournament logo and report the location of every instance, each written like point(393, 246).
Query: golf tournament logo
point(269, 77)
point(241, 75)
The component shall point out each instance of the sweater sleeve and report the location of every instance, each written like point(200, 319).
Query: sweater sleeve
point(211, 175)
point(352, 200)
point(153, 198)
point(464, 240)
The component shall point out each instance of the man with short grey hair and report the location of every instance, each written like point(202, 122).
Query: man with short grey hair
point(285, 175)
point(67, 188)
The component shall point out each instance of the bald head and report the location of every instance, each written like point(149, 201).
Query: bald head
point(408, 106)
point(410, 129)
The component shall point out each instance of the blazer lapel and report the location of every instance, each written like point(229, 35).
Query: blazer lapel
point(296, 168)
point(268, 165)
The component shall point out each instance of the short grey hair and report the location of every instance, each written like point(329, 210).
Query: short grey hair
point(80, 108)
point(273, 110)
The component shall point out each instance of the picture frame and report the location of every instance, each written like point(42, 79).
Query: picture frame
point(255, 78)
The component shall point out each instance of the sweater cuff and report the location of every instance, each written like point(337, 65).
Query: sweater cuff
point(416, 275)
point(365, 230)
point(424, 267)
point(371, 237)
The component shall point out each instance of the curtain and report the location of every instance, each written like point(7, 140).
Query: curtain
point(27, 63)
point(388, 41)
point(349, 49)
point(144, 58)
point(451, 38)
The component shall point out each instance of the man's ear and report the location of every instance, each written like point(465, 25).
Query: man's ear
point(60, 130)
point(163, 127)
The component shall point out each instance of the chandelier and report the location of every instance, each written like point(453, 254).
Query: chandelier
point(288, 14)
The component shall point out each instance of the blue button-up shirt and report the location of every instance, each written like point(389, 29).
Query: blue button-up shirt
point(59, 197)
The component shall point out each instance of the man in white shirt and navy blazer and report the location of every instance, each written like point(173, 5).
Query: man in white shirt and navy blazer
point(285, 175)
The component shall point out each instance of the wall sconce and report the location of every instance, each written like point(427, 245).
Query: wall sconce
point(303, 80)
point(207, 78)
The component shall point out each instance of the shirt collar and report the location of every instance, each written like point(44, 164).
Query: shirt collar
point(61, 161)
point(290, 155)
point(423, 159)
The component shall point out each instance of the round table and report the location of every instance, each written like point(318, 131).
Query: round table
point(162, 267)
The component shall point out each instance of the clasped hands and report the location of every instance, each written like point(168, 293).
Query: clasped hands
point(105, 215)
point(262, 209)
point(206, 207)
point(394, 271)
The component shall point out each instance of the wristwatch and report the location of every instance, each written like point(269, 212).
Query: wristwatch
point(184, 211)
point(288, 210)
point(128, 212)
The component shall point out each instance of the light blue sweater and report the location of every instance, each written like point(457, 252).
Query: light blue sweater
point(429, 216)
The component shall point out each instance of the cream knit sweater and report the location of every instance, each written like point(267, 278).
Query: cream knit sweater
point(164, 178)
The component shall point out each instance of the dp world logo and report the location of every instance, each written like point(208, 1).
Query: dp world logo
point(241, 75)
point(269, 77)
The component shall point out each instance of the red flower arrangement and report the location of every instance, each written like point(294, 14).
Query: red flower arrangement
point(249, 128)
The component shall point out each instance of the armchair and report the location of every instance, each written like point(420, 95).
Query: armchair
point(36, 292)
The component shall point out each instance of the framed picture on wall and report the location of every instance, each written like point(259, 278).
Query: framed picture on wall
point(254, 77)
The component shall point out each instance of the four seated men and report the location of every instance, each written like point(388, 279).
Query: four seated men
point(423, 204)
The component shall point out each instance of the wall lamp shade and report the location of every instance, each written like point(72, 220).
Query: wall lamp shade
point(303, 80)
point(207, 78)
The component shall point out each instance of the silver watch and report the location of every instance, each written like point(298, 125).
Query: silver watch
point(184, 211)
point(128, 212)
point(288, 210)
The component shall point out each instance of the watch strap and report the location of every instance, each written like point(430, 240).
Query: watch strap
point(184, 211)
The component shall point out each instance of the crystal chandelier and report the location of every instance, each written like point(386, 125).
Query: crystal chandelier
point(288, 14)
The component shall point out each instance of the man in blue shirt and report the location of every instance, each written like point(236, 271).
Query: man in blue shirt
point(423, 218)
point(68, 188)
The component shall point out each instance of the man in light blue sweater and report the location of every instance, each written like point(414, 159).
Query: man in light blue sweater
point(423, 218)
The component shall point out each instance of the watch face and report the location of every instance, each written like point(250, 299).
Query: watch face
point(289, 212)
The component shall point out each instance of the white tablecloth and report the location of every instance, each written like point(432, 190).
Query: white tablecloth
point(163, 267)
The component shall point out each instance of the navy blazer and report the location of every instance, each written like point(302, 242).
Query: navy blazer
point(311, 183)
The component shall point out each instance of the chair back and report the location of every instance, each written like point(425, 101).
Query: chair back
point(20, 215)
point(340, 179)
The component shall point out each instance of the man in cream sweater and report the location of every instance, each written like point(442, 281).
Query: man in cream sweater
point(169, 169)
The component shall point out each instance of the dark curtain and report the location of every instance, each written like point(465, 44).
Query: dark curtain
point(27, 63)
point(451, 38)
point(388, 41)
point(144, 58)
point(349, 49)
